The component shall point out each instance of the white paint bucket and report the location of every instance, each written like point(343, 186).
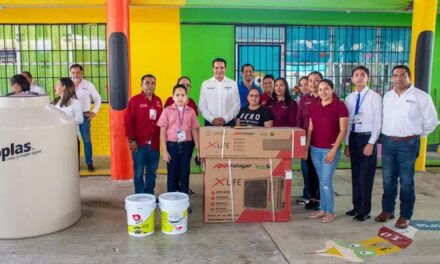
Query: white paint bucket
point(174, 212)
point(140, 214)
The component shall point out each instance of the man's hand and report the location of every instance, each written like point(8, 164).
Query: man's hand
point(166, 156)
point(368, 149)
point(218, 121)
point(90, 115)
point(133, 146)
point(347, 151)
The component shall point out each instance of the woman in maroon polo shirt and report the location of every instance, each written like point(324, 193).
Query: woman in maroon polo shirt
point(327, 129)
point(282, 106)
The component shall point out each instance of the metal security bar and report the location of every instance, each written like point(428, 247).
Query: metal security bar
point(334, 51)
point(47, 51)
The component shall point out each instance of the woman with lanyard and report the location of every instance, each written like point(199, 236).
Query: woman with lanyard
point(327, 129)
point(186, 81)
point(178, 129)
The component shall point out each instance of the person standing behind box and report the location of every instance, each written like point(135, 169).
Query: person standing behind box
point(143, 134)
point(364, 125)
point(254, 114)
point(85, 90)
point(282, 106)
point(219, 98)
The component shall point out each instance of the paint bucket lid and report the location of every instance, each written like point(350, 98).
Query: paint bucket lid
point(143, 198)
point(174, 198)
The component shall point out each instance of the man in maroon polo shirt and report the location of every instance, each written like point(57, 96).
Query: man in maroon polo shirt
point(311, 183)
point(143, 134)
point(268, 85)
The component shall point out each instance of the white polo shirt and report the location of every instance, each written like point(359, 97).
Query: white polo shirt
point(411, 113)
point(37, 89)
point(84, 91)
point(219, 99)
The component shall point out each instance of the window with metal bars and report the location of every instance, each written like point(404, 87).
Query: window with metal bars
point(47, 51)
point(295, 51)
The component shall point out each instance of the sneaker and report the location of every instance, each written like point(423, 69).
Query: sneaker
point(301, 201)
point(90, 167)
point(191, 193)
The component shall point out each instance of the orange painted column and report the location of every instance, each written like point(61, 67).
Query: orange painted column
point(119, 86)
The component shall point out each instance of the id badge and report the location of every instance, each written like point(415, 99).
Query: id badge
point(181, 136)
point(153, 113)
point(357, 119)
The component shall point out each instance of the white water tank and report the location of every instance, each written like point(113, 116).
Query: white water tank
point(39, 178)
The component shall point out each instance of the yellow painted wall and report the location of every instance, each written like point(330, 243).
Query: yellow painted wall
point(154, 44)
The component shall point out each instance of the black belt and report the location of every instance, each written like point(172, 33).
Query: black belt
point(361, 133)
point(183, 143)
point(399, 139)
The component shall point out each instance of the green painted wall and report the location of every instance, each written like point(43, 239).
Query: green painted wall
point(283, 17)
point(200, 45)
point(209, 33)
point(435, 82)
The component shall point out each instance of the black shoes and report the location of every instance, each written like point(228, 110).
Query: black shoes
point(90, 167)
point(361, 217)
point(352, 212)
point(312, 205)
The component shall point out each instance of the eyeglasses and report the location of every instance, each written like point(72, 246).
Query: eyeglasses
point(254, 95)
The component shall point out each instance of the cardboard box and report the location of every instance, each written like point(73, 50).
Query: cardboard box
point(261, 142)
point(247, 190)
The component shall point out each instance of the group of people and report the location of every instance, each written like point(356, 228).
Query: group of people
point(72, 96)
point(363, 119)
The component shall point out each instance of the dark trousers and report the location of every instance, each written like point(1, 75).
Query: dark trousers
point(179, 166)
point(230, 123)
point(313, 178)
point(363, 169)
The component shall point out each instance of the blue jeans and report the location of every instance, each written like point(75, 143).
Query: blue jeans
point(145, 159)
point(305, 174)
point(84, 129)
point(398, 160)
point(179, 166)
point(325, 173)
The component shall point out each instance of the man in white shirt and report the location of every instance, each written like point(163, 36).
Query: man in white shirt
point(408, 113)
point(365, 121)
point(84, 91)
point(34, 88)
point(219, 100)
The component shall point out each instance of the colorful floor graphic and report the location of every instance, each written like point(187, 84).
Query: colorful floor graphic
point(388, 240)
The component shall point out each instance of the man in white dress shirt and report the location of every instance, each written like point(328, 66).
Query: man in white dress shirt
point(84, 91)
point(34, 88)
point(219, 100)
point(364, 123)
point(408, 113)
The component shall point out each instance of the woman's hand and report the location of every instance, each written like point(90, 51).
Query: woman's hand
point(330, 156)
point(166, 156)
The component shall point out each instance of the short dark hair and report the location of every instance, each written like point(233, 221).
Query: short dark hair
point(22, 81)
point(247, 65)
point(329, 82)
point(287, 98)
point(362, 68)
point(268, 76)
point(303, 78)
point(148, 76)
point(76, 65)
point(218, 60)
point(401, 66)
point(315, 72)
point(183, 77)
point(177, 86)
point(26, 74)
